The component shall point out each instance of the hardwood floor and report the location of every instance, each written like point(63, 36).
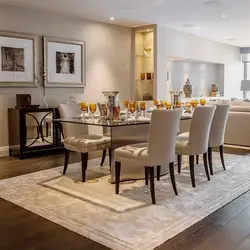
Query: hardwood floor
point(226, 229)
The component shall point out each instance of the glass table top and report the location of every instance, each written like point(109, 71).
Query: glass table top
point(107, 123)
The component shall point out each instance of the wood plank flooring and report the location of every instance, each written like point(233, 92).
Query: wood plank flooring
point(226, 229)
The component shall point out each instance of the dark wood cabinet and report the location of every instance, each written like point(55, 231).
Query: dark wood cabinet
point(32, 131)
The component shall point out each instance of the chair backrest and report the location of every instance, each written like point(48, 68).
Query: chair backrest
point(218, 127)
point(162, 136)
point(200, 129)
point(69, 111)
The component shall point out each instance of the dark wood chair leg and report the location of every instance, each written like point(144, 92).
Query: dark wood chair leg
point(103, 156)
point(171, 170)
point(84, 158)
point(222, 156)
point(152, 183)
point(179, 163)
point(146, 176)
point(210, 160)
point(197, 159)
point(158, 173)
point(110, 158)
point(66, 160)
point(191, 163)
point(117, 176)
point(206, 166)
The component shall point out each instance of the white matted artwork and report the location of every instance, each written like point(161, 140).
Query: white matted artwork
point(17, 59)
point(64, 63)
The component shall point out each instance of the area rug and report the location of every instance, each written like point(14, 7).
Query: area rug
point(127, 221)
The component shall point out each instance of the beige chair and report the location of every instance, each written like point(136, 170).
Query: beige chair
point(217, 132)
point(196, 141)
point(77, 138)
point(159, 150)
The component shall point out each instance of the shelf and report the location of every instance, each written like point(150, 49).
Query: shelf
point(144, 56)
point(146, 80)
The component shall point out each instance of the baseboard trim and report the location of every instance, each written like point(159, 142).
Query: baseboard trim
point(4, 151)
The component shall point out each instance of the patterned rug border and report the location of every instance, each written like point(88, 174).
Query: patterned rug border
point(112, 242)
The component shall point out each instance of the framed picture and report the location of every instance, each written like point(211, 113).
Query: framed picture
point(64, 62)
point(18, 53)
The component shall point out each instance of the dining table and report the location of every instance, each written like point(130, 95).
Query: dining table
point(123, 132)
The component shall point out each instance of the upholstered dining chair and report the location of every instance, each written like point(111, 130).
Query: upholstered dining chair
point(217, 132)
point(195, 142)
point(77, 138)
point(159, 150)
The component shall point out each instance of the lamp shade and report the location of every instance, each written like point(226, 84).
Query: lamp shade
point(245, 85)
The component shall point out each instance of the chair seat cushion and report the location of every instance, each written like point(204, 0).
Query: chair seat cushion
point(182, 146)
point(87, 143)
point(183, 136)
point(138, 152)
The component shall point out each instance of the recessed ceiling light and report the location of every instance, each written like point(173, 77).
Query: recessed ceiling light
point(231, 39)
point(198, 28)
point(224, 16)
point(188, 25)
point(112, 18)
point(212, 2)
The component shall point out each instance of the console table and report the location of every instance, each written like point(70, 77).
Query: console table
point(31, 131)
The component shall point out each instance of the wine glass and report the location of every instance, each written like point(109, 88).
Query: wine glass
point(131, 107)
point(156, 102)
point(202, 102)
point(194, 103)
point(188, 108)
point(159, 107)
point(163, 104)
point(168, 105)
point(83, 107)
point(143, 108)
point(116, 113)
point(92, 108)
point(178, 104)
point(126, 102)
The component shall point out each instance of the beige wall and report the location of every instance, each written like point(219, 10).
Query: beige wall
point(175, 44)
point(108, 58)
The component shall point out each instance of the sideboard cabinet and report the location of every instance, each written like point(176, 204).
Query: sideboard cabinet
point(31, 131)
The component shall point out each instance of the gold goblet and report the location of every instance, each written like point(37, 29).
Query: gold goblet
point(163, 104)
point(202, 102)
point(83, 107)
point(131, 108)
point(143, 108)
point(156, 102)
point(92, 108)
point(168, 105)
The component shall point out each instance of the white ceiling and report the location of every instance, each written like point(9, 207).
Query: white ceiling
point(171, 13)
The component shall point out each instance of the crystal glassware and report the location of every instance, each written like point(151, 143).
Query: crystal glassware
point(92, 109)
point(194, 103)
point(168, 105)
point(159, 106)
point(156, 102)
point(177, 104)
point(143, 108)
point(131, 107)
point(83, 107)
point(163, 104)
point(116, 112)
point(126, 102)
point(188, 107)
point(202, 102)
